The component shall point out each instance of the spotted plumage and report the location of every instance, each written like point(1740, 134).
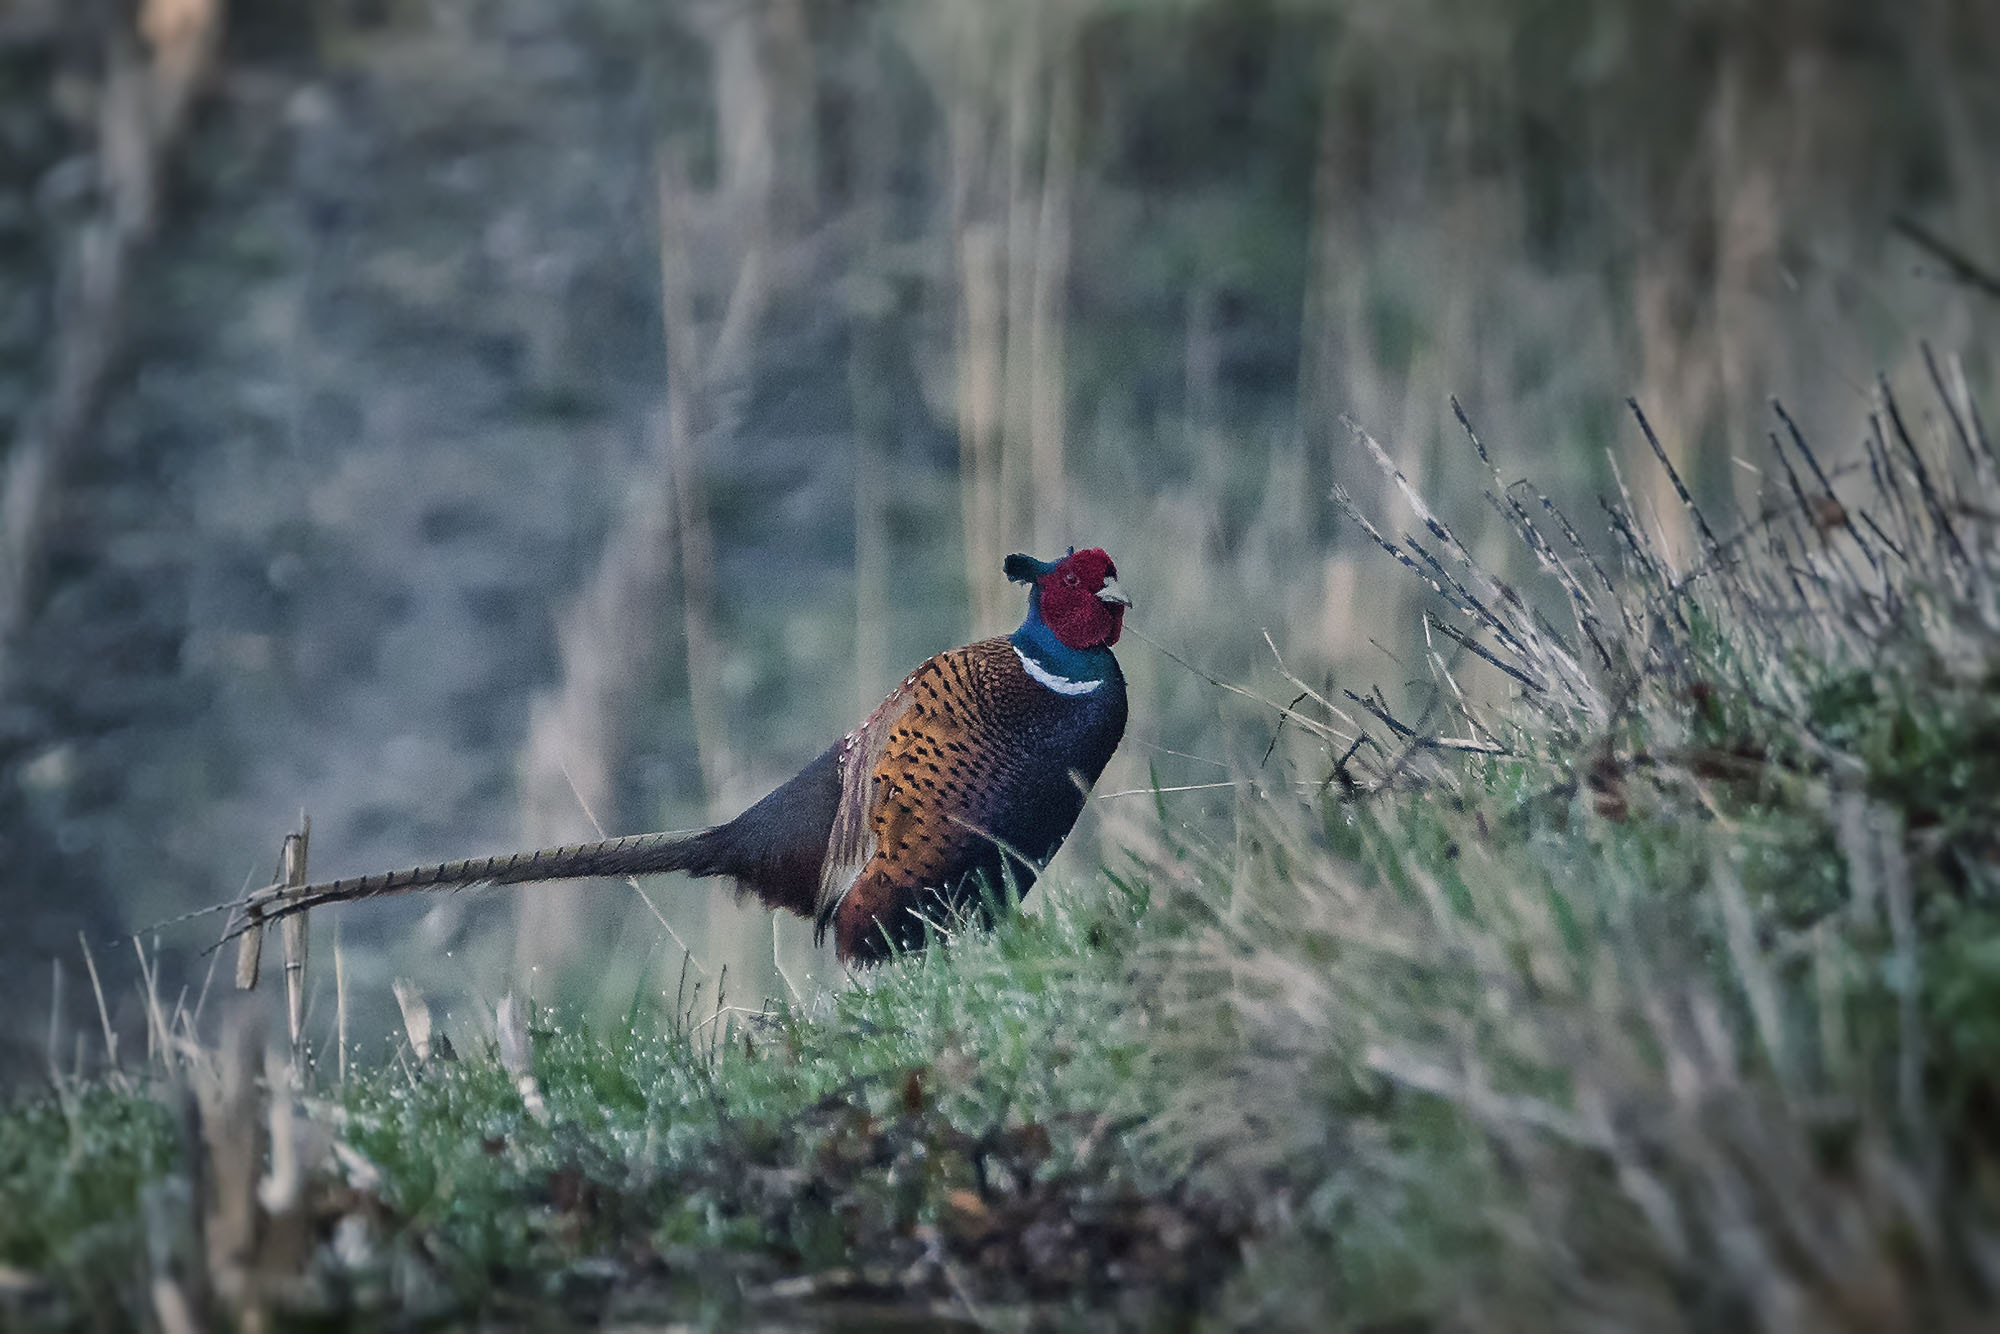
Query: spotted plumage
point(971, 773)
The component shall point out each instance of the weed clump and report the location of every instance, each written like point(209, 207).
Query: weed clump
point(1661, 991)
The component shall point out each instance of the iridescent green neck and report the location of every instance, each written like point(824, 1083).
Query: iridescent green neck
point(1036, 642)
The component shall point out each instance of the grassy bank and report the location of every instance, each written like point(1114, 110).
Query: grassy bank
point(1638, 966)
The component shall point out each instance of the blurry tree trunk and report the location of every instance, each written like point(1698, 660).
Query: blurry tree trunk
point(1014, 136)
point(610, 643)
point(763, 79)
point(1018, 206)
point(872, 365)
point(981, 377)
point(871, 541)
point(611, 636)
point(1707, 363)
point(1748, 221)
point(1677, 384)
point(150, 81)
point(1048, 307)
point(1333, 169)
point(766, 107)
point(762, 58)
point(693, 419)
point(713, 248)
point(1330, 322)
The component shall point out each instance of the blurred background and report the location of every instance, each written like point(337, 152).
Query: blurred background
point(476, 422)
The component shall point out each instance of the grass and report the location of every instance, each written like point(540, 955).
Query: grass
point(950, 1136)
point(73, 1168)
point(1671, 1005)
point(907, 1144)
point(1641, 971)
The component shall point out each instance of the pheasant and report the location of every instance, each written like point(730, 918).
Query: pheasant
point(976, 765)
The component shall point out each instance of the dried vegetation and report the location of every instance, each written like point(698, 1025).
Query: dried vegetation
point(1665, 1007)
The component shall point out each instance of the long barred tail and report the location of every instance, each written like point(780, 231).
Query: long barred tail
point(635, 854)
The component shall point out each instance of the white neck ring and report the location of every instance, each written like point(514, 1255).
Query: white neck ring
point(1062, 685)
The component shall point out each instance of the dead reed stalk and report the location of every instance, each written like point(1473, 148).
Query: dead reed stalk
point(154, 70)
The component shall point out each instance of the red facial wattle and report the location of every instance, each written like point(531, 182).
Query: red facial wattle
point(1081, 601)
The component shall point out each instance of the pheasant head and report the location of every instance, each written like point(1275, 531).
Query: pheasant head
point(1076, 597)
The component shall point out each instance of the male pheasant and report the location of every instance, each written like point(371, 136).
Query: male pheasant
point(980, 760)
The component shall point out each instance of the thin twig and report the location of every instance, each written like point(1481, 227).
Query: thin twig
point(103, 1013)
point(1673, 475)
point(1312, 725)
point(1963, 267)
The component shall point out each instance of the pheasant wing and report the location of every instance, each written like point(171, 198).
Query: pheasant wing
point(943, 772)
point(851, 840)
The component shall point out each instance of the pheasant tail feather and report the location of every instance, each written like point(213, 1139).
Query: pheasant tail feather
point(635, 854)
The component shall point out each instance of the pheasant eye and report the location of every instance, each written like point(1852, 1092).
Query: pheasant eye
point(1070, 578)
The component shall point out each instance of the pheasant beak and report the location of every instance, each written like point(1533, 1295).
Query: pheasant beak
point(1113, 594)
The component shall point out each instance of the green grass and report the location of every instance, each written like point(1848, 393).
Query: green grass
point(73, 1169)
point(712, 1166)
point(1668, 1003)
point(951, 1134)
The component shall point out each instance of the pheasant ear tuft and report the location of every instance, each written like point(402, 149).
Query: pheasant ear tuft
point(1024, 569)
